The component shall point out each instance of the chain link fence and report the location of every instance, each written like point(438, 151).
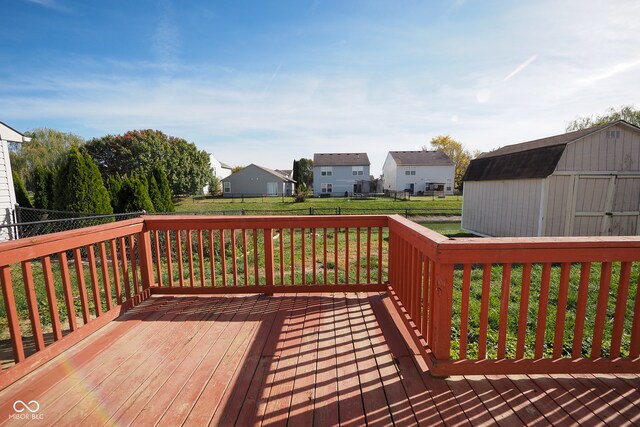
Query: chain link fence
point(29, 222)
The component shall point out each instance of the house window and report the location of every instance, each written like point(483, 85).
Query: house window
point(227, 187)
point(326, 170)
point(411, 170)
point(613, 134)
point(357, 170)
point(326, 188)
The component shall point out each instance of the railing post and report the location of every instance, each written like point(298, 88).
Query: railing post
point(146, 260)
point(442, 310)
point(268, 257)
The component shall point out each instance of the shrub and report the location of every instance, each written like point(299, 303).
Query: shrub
point(22, 198)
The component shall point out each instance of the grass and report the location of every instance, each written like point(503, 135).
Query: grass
point(450, 205)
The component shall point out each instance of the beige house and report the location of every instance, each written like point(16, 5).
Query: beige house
point(582, 183)
point(254, 181)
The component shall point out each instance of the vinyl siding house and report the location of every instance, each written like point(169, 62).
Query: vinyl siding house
point(7, 194)
point(418, 171)
point(337, 174)
point(582, 183)
point(220, 170)
point(254, 181)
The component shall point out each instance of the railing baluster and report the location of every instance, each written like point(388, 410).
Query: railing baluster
point(93, 274)
point(281, 244)
point(125, 268)
point(68, 294)
point(523, 315)
point(167, 242)
point(223, 258)
point(324, 255)
point(346, 255)
point(268, 256)
point(192, 278)
point(244, 256)
point(179, 256)
point(621, 309)
point(358, 256)
point(12, 314)
point(201, 257)
point(581, 309)
point(634, 350)
point(51, 297)
point(561, 313)
point(601, 310)
point(335, 255)
point(292, 255)
point(542, 310)
point(313, 255)
point(368, 255)
point(212, 258)
point(256, 277)
point(428, 297)
point(32, 304)
point(379, 255)
point(105, 275)
point(504, 310)
point(234, 257)
point(116, 271)
point(484, 311)
point(134, 264)
point(82, 287)
point(156, 235)
point(303, 256)
point(464, 310)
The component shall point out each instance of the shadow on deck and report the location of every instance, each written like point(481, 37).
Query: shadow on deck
point(322, 359)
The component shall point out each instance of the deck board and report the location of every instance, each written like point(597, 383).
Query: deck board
point(322, 359)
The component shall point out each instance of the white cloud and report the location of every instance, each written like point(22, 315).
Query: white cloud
point(51, 4)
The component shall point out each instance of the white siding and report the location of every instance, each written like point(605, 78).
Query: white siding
point(389, 170)
point(7, 196)
point(502, 208)
point(395, 178)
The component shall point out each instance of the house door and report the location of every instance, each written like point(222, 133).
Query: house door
point(605, 206)
point(272, 188)
point(410, 187)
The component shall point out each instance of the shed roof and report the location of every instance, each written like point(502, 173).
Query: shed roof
point(341, 159)
point(421, 158)
point(531, 159)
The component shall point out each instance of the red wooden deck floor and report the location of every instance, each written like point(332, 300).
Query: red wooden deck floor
point(298, 359)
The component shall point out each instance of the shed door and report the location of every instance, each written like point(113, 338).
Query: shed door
point(606, 206)
point(272, 188)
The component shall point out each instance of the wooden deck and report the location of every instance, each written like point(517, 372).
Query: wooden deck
point(322, 359)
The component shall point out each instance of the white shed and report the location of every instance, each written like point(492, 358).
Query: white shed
point(582, 183)
point(7, 194)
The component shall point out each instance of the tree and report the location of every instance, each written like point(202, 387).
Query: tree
point(79, 186)
point(236, 169)
point(188, 169)
point(46, 149)
point(155, 196)
point(303, 172)
point(133, 196)
point(163, 186)
point(627, 113)
point(214, 186)
point(114, 184)
point(44, 187)
point(456, 152)
point(22, 198)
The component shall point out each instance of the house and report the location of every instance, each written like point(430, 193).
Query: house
point(7, 193)
point(418, 172)
point(340, 174)
point(254, 180)
point(582, 183)
point(220, 170)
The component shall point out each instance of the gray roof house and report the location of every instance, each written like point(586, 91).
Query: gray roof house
point(340, 174)
point(418, 171)
point(7, 194)
point(254, 181)
point(582, 183)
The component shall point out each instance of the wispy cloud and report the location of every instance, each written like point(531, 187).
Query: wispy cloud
point(166, 37)
point(610, 72)
point(521, 67)
point(51, 4)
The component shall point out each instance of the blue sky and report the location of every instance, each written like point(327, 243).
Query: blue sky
point(267, 82)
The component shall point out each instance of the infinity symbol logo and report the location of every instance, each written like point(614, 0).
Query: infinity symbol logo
point(28, 406)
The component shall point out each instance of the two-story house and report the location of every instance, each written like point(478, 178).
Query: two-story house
point(340, 174)
point(418, 172)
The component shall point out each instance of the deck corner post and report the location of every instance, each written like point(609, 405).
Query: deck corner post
point(146, 259)
point(268, 256)
point(442, 311)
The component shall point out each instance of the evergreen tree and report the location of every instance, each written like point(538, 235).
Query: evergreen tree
point(163, 185)
point(114, 184)
point(22, 198)
point(44, 187)
point(133, 196)
point(155, 196)
point(79, 186)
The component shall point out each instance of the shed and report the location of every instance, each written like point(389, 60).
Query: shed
point(7, 194)
point(582, 183)
point(254, 181)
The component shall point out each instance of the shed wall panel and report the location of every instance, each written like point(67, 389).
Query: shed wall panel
point(556, 210)
point(502, 208)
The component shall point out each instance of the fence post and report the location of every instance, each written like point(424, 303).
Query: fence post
point(442, 310)
point(146, 260)
point(269, 272)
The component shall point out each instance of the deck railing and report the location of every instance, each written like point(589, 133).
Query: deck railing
point(532, 305)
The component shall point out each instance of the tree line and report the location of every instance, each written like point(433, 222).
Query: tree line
point(139, 170)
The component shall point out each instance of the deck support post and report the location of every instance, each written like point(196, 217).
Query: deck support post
point(268, 258)
point(146, 259)
point(441, 313)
